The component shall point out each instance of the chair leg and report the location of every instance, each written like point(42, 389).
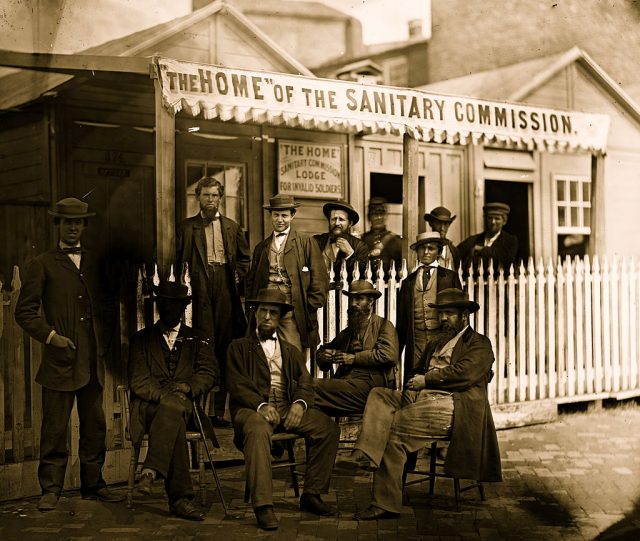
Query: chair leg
point(131, 480)
point(456, 489)
point(294, 474)
point(201, 473)
point(433, 455)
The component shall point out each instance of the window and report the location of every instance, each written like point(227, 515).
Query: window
point(232, 176)
point(573, 204)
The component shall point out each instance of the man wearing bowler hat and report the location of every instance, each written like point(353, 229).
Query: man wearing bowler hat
point(364, 355)
point(271, 391)
point(339, 244)
point(417, 322)
point(440, 219)
point(493, 245)
point(446, 396)
point(170, 366)
point(290, 262)
point(76, 327)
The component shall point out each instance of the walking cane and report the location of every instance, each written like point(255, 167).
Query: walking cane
point(209, 455)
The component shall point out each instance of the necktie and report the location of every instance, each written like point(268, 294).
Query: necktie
point(426, 274)
point(72, 250)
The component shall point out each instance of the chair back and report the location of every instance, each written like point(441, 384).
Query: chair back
point(123, 395)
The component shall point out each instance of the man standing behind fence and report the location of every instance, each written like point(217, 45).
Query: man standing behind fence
point(385, 247)
point(76, 325)
point(290, 262)
point(217, 252)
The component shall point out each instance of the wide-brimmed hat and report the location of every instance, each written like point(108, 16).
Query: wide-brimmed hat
point(454, 298)
point(362, 287)
point(281, 202)
point(171, 290)
point(71, 207)
point(271, 296)
point(427, 236)
point(442, 214)
point(341, 204)
point(497, 208)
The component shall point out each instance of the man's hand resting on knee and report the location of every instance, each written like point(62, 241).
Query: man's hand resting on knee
point(294, 416)
point(270, 413)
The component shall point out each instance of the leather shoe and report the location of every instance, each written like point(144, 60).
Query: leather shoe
point(313, 504)
point(104, 495)
point(374, 513)
point(48, 501)
point(219, 422)
point(145, 484)
point(266, 518)
point(185, 509)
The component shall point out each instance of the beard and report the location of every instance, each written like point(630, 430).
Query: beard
point(265, 332)
point(445, 335)
point(336, 231)
point(209, 211)
point(357, 316)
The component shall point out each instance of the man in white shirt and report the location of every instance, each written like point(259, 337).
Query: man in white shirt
point(271, 391)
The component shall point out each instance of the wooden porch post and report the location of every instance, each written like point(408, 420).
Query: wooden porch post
point(410, 197)
point(165, 183)
point(598, 243)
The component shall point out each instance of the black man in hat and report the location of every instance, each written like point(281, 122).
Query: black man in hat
point(76, 326)
point(439, 220)
point(271, 391)
point(385, 247)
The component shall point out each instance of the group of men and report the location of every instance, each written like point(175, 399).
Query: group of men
point(255, 354)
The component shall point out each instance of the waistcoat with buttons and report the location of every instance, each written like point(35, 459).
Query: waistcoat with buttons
point(277, 272)
point(425, 317)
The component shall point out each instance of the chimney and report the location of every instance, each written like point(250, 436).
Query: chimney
point(415, 30)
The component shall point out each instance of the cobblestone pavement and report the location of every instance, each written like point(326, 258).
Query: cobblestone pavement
point(575, 479)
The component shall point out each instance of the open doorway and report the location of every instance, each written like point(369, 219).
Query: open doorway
point(516, 195)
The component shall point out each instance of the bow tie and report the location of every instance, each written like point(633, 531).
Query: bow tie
point(71, 250)
point(270, 338)
point(207, 221)
point(281, 234)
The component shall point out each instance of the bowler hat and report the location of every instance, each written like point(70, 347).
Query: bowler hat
point(442, 214)
point(496, 208)
point(427, 236)
point(454, 298)
point(281, 202)
point(172, 290)
point(71, 207)
point(362, 287)
point(271, 296)
point(341, 204)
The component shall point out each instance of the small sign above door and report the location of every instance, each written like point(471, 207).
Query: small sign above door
point(310, 170)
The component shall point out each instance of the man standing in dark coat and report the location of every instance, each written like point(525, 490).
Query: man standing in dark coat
point(290, 262)
point(445, 397)
point(217, 252)
point(271, 391)
point(439, 220)
point(339, 245)
point(493, 245)
point(170, 366)
point(385, 247)
point(76, 325)
point(365, 355)
point(417, 323)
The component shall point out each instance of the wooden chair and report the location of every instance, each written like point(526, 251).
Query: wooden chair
point(288, 441)
point(435, 471)
point(193, 439)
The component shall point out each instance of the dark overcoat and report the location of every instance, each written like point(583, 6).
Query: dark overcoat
point(360, 254)
point(445, 278)
point(191, 248)
point(309, 281)
point(54, 282)
point(149, 377)
point(473, 452)
point(503, 252)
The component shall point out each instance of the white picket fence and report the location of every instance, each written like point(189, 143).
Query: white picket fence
point(566, 330)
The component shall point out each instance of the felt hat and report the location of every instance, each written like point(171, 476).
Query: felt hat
point(497, 208)
point(341, 204)
point(171, 290)
point(454, 298)
point(427, 236)
point(362, 287)
point(271, 296)
point(281, 202)
point(440, 213)
point(71, 207)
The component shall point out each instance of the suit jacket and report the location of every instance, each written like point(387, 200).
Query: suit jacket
point(191, 248)
point(405, 317)
point(503, 252)
point(53, 282)
point(473, 452)
point(309, 281)
point(360, 254)
point(149, 377)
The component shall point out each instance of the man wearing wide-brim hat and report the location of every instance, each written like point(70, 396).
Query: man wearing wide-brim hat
point(419, 324)
point(170, 367)
point(445, 397)
point(439, 220)
point(76, 327)
point(271, 390)
point(339, 246)
point(494, 245)
point(290, 261)
point(362, 356)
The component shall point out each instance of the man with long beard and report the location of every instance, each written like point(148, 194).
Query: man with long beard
point(445, 397)
point(364, 355)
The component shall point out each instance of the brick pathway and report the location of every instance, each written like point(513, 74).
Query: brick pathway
point(576, 479)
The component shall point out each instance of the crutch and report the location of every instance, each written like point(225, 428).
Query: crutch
point(210, 456)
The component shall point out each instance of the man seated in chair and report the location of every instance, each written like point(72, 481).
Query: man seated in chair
point(364, 355)
point(444, 398)
point(271, 391)
point(170, 365)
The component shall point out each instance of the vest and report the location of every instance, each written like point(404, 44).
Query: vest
point(426, 318)
point(277, 272)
